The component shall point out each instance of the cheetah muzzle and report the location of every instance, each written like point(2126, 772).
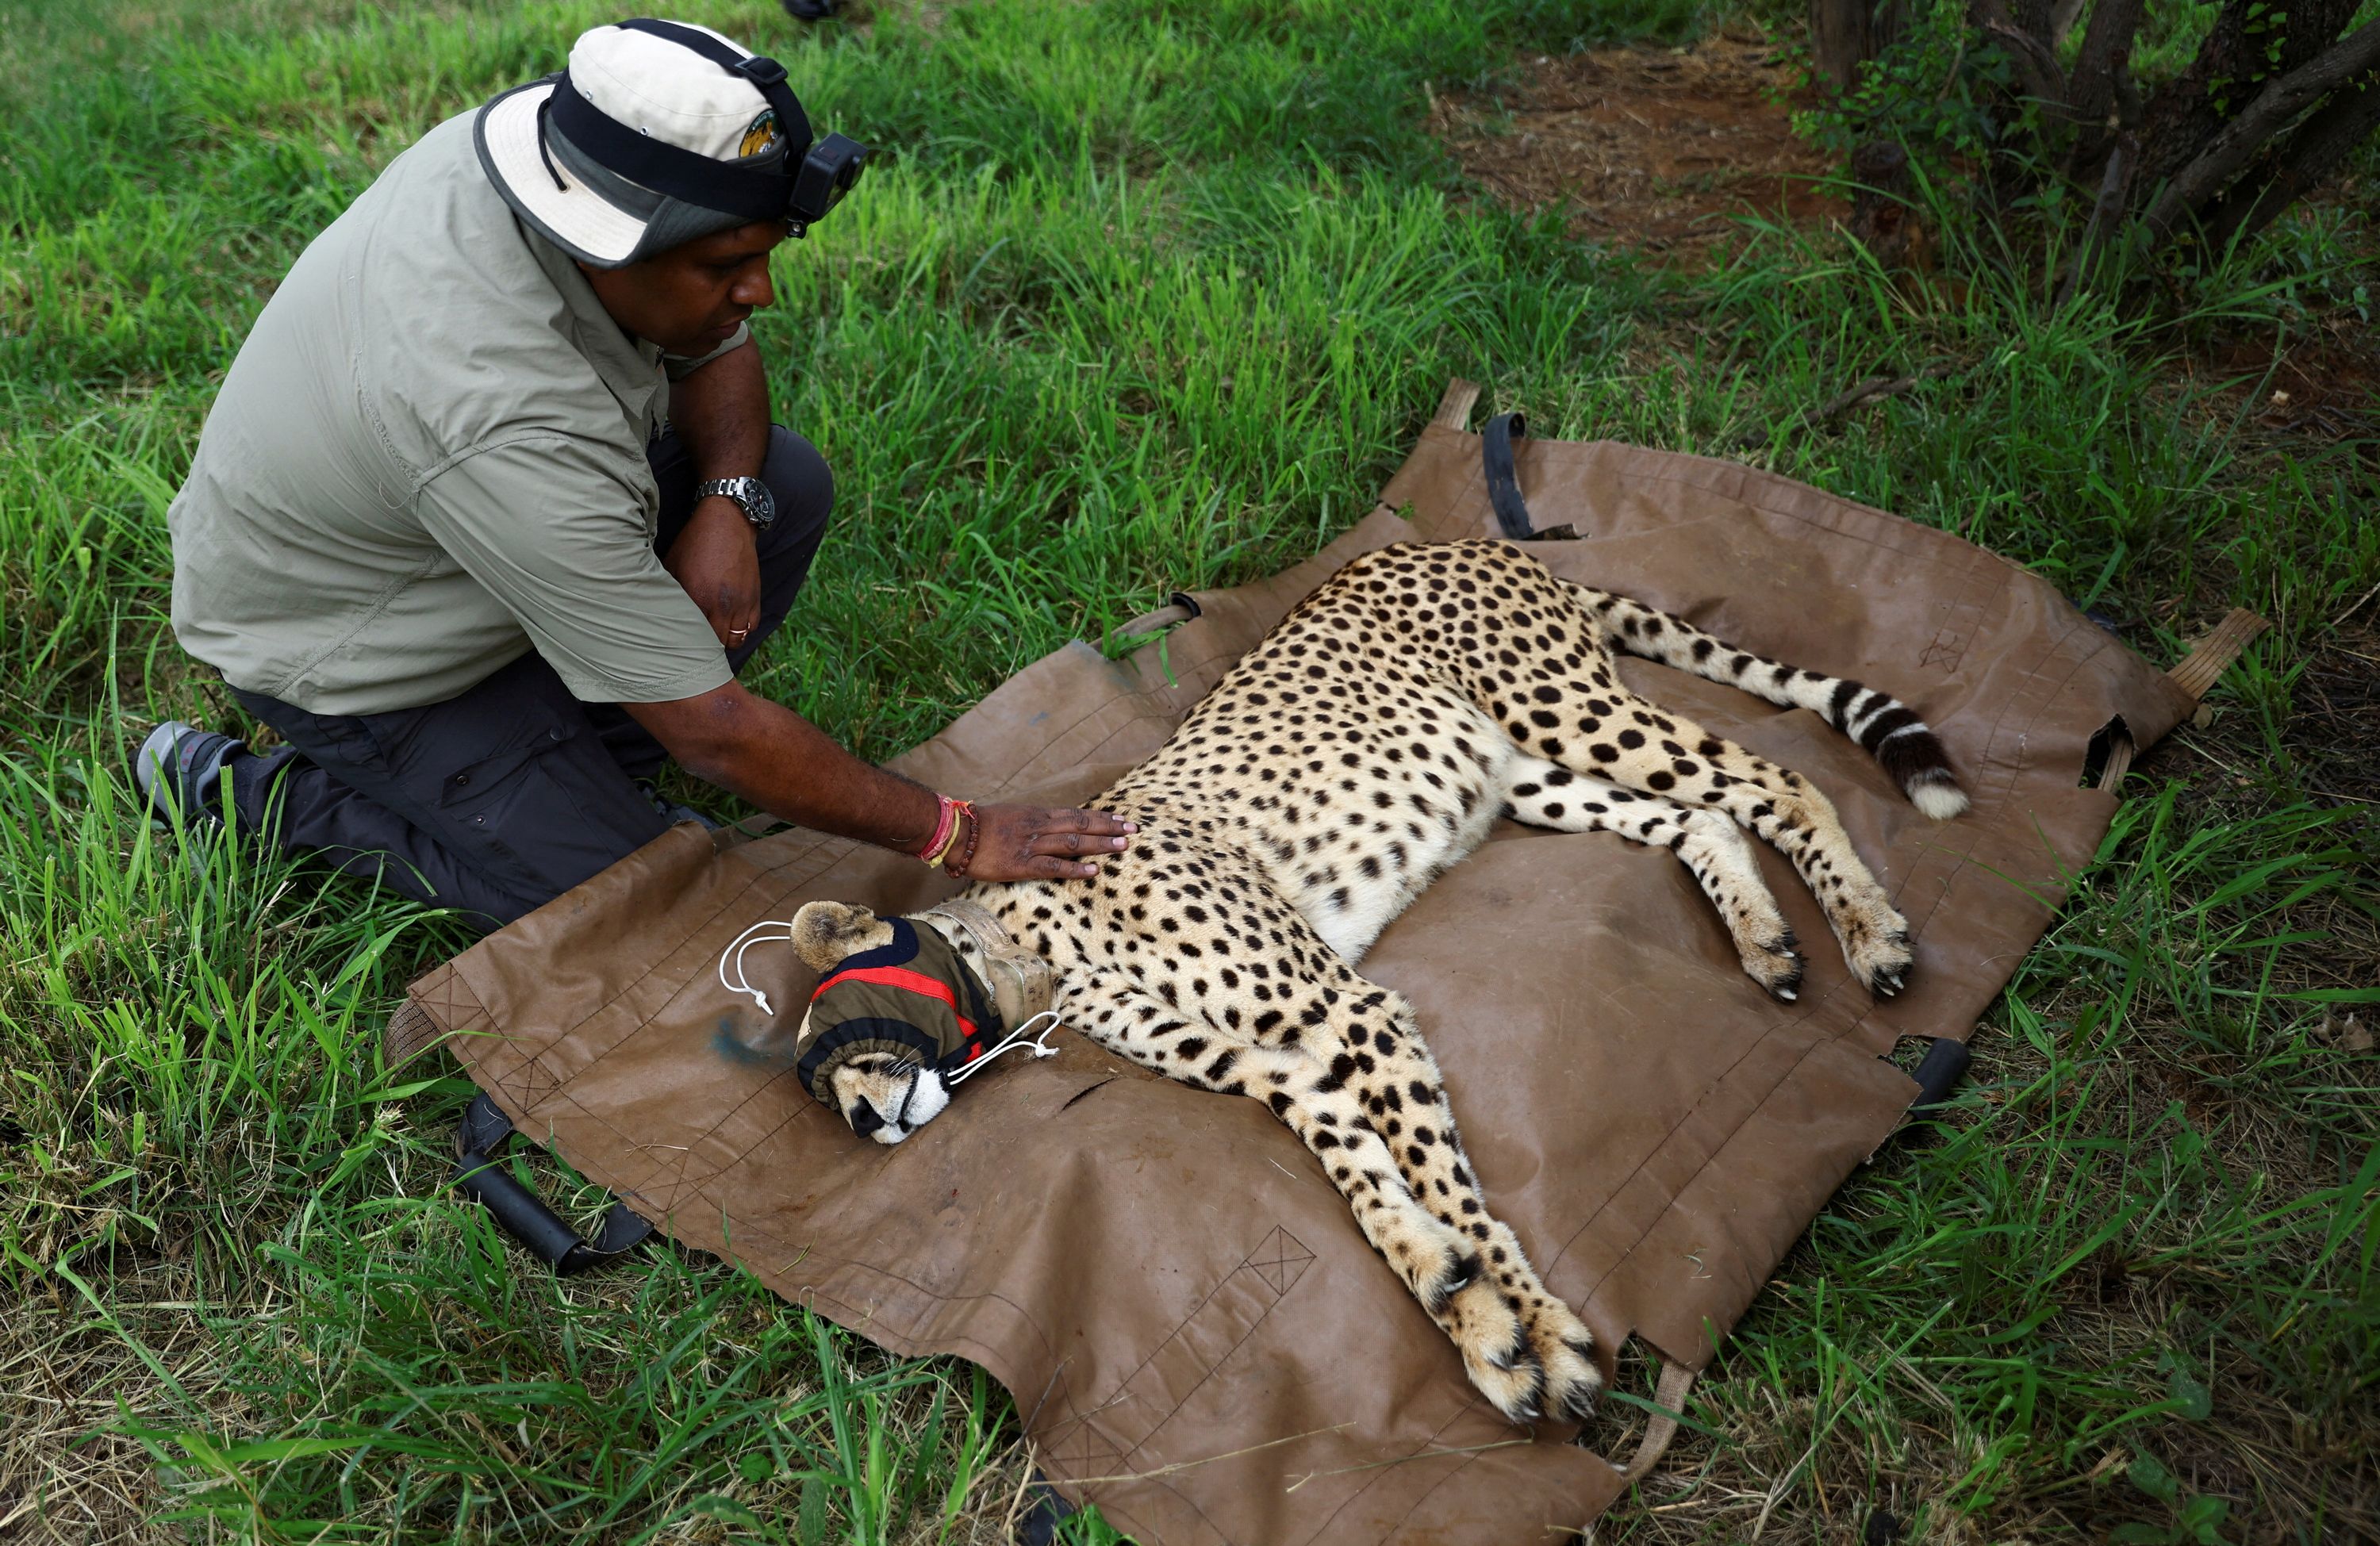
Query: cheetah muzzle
point(1364, 746)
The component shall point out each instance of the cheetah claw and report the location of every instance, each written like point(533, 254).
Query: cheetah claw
point(1565, 1349)
point(1774, 963)
point(1579, 1398)
point(1514, 1392)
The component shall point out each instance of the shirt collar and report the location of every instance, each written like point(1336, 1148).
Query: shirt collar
point(629, 365)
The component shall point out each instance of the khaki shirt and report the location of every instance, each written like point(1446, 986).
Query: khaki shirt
point(428, 459)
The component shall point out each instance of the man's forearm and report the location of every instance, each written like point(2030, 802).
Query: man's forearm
point(722, 413)
point(782, 762)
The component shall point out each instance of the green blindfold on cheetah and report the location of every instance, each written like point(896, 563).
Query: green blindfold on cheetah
point(914, 998)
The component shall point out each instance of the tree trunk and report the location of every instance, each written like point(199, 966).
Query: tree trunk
point(1845, 34)
point(2096, 101)
point(1881, 219)
point(2198, 183)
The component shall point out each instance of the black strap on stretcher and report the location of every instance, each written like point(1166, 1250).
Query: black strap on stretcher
point(1938, 1074)
point(1504, 483)
point(1503, 480)
point(1945, 1062)
point(485, 1132)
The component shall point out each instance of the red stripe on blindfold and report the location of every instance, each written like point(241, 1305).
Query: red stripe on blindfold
point(901, 977)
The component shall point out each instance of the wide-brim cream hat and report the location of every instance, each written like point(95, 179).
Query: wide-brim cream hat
point(655, 87)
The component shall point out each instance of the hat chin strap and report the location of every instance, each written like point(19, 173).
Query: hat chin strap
point(751, 192)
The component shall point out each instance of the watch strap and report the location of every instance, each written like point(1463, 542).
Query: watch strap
point(759, 512)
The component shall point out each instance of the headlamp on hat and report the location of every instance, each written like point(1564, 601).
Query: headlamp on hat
point(636, 148)
point(823, 171)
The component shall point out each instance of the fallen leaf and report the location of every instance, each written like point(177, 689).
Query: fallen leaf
point(2349, 1033)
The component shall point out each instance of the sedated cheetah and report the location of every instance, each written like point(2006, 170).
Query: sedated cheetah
point(1367, 743)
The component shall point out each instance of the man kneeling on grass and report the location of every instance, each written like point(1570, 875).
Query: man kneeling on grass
point(490, 513)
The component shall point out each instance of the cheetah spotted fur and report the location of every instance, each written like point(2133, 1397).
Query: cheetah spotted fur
point(1366, 744)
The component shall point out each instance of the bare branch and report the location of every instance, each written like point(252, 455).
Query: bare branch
point(2036, 60)
point(2107, 51)
point(2231, 65)
point(2104, 213)
point(2309, 156)
point(2232, 149)
point(1835, 407)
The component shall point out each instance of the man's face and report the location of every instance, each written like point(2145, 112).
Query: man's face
point(690, 299)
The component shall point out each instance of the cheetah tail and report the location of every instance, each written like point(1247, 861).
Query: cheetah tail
point(1890, 730)
point(1913, 754)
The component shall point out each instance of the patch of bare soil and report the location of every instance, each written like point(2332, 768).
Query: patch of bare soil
point(2326, 386)
point(2334, 720)
point(1647, 148)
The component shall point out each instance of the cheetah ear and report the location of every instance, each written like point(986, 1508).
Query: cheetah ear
point(825, 932)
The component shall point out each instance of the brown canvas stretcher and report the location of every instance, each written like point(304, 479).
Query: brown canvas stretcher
point(1196, 1336)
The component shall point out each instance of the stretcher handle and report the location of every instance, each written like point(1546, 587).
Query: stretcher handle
point(1180, 607)
point(482, 1136)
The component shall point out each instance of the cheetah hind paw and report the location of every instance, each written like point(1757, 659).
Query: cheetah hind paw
point(1881, 960)
point(1874, 939)
point(1487, 1330)
point(1764, 941)
point(1565, 1349)
point(1776, 964)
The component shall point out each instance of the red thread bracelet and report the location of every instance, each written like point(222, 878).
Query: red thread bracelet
point(946, 816)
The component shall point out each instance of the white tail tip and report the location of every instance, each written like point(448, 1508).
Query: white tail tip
point(1941, 800)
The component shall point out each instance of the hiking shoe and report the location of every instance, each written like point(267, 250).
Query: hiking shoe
point(179, 769)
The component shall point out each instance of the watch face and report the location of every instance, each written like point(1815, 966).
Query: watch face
point(759, 505)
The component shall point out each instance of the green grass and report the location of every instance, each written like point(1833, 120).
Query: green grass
point(1149, 294)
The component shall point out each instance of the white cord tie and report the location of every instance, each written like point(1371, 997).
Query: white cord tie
point(1038, 1045)
point(734, 952)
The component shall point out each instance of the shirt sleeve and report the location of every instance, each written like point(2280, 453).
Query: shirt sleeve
point(679, 367)
point(556, 531)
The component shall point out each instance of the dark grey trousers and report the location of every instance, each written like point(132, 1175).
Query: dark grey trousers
point(501, 799)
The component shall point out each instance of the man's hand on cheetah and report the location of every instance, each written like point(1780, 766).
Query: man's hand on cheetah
point(1027, 842)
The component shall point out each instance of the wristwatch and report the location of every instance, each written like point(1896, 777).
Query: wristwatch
point(749, 492)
